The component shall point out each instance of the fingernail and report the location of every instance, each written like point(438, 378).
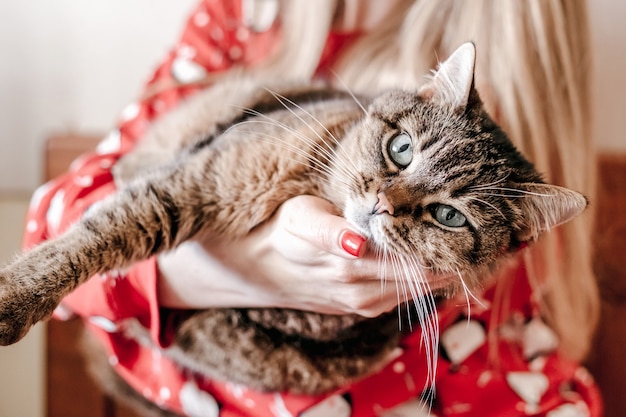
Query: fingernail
point(352, 242)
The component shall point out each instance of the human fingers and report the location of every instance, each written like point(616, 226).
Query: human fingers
point(318, 222)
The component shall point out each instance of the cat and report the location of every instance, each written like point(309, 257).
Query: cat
point(427, 176)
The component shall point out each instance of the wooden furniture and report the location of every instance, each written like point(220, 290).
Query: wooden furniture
point(71, 393)
point(607, 361)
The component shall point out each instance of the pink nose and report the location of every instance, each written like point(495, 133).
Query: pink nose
point(383, 205)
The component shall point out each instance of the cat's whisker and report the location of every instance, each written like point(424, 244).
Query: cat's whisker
point(488, 204)
point(515, 190)
point(490, 184)
point(340, 185)
point(408, 291)
point(396, 272)
point(466, 292)
point(469, 295)
point(502, 195)
point(382, 257)
point(347, 89)
point(286, 145)
point(317, 166)
point(426, 311)
point(272, 122)
point(282, 99)
point(328, 152)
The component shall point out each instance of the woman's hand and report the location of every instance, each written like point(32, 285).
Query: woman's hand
point(306, 257)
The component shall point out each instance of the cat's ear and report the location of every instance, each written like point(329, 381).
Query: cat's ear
point(546, 206)
point(453, 82)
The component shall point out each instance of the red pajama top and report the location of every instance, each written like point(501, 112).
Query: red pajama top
point(528, 378)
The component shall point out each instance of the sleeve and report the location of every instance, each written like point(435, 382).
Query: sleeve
point(213, 41)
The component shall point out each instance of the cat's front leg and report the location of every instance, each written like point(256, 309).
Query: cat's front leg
point(30, 289)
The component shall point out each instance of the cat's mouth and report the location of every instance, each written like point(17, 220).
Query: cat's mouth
point(361, 212)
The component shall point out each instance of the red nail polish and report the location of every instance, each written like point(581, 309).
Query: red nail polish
point(352, 242)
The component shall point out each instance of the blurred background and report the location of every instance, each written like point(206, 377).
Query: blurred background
point(67, 65)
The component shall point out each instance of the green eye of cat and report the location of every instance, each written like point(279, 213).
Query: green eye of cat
point(448, 216)
point(400, 150)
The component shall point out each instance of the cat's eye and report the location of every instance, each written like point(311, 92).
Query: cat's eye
point(400, 150)
point(448, 216)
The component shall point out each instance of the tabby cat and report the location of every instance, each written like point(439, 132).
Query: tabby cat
point(427, 176)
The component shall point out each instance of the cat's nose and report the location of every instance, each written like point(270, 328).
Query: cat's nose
point(383, 205)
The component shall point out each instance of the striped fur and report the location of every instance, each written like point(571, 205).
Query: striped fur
point(218, 171)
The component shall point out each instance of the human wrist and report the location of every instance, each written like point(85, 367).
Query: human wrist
point(191, 278)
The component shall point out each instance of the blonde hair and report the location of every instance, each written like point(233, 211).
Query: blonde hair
point(532, 72)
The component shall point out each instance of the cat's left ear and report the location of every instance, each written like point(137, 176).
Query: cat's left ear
point(454, 80)
point(546, 206)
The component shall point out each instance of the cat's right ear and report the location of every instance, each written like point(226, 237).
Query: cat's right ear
point(453, 82)
point(546, 206)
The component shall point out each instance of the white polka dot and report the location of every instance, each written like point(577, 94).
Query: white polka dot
point(237, 390)
point(84, 181)
point(103, 323)
point(106, 164)
point(77, 163)
point(38, 195)
point(201, 19)
point(335, 406)
point(530, 386)
point(187, 71)
point(484, 378)
point(186, 51)
point(113, 360)
point(130, 112)
point(584, 376)
point(462, 339)
point(165, 393)
point(538, 338)
point(55, 211)
point(197, 403)
point(147, 392)
point(216, 57)
point(32, 226)
point(413, 408)
point(111, 143)
point(235, 53)
point(249, 403)
point(259, 15)
point(242, 34)
point(217, 34)
point(399, 367)
point(569, 410)
point(63, 313)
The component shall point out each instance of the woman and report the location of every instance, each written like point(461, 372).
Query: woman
point(532, 75)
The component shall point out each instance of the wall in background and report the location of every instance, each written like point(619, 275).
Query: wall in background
point(21, 365)
point(609, 94)
point(68, 65)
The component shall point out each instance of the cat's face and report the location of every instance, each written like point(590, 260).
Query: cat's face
point(440, 184)
point(430, 184)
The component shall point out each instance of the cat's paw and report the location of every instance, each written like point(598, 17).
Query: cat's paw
point(20, 308)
